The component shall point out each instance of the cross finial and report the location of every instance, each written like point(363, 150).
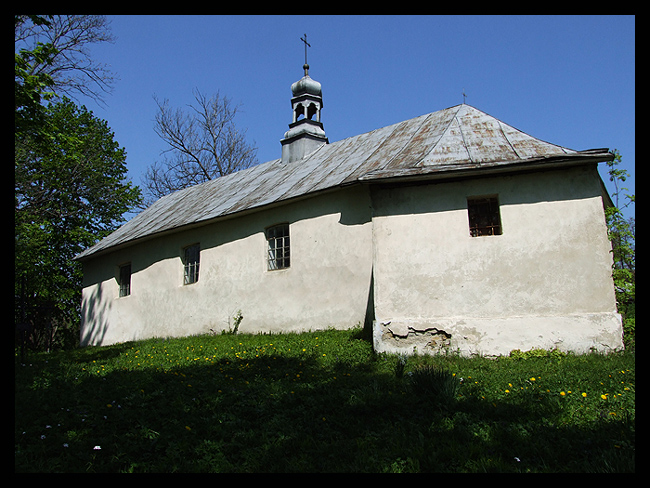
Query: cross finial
point(306, 66)
point(464, 96)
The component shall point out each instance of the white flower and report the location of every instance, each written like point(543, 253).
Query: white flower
point(42, 437)
point(97, 448)
point(517, 459)
point(65, 444)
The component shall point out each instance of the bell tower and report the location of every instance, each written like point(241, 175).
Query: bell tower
point(305, 133)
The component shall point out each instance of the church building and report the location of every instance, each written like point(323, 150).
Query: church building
point(451, 231)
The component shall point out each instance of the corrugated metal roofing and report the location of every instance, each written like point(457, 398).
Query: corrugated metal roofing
point(459, 138)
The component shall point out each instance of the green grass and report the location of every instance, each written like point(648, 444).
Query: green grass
point(319, 402)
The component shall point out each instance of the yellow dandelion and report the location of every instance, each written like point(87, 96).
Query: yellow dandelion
point(604, 397)
point(187, 427)
point(562, 393)
point(532, 379)
point(584, 394)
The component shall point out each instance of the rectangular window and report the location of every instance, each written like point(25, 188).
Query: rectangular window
point(125, 280)
point(484, 218)
point(191, 259)
point(277, 238)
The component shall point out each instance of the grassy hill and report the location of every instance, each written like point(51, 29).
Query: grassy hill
point(319, 402)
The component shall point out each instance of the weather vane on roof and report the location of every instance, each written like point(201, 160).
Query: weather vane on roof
point(306, 66)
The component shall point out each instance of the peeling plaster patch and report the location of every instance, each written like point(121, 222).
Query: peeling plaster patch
point(440, 339)
point(406, 335)
point(497, 336)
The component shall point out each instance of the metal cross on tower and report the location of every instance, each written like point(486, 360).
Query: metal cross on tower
point(306, 66)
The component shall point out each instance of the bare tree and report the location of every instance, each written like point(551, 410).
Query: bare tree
point(203, 144)
point(71, 68)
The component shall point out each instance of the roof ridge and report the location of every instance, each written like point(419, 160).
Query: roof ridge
point(501, 124)
point(425, 118)
point(460, 128)
point(564, 149)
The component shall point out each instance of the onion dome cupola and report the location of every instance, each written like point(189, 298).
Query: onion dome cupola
point(305, 133)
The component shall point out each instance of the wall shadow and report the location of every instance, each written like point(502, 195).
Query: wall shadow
point(513, 189)
point(94, 309)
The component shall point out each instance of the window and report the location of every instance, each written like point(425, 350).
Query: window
point(484, 219)
point(277, 238)
point(125, 280)
point(191, 258)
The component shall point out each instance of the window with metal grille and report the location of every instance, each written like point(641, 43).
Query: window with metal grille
point(484, 218)
point(278, 256)
point(191, 264)
point(125, 280)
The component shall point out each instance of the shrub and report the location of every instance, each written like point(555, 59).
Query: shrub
point(536, 353)
point(435, 383)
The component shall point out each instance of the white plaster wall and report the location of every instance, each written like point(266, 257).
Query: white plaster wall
point(326, 286)
point(545, 282)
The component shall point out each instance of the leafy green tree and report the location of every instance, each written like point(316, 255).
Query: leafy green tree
point(70, 191)
point(31, 88)
point(68, 63)
point(622, 235)
point(70, 187)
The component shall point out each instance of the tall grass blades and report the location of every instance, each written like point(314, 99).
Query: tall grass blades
point(436, 383)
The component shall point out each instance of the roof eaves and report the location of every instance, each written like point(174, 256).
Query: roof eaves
point(456, 170)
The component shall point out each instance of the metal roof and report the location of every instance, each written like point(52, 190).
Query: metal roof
point(457, 141)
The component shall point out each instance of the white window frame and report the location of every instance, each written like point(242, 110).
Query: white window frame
point(124, 280)
point(278, 247)
point(191, 263)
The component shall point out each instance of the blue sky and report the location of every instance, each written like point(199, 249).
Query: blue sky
point(569, 80)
